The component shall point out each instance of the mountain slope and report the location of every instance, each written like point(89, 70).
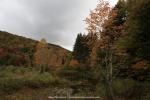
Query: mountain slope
point(19, 51)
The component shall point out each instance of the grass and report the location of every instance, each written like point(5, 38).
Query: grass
point(28, 94)
point(126, 89)
point(25, 83)
point(15, 78)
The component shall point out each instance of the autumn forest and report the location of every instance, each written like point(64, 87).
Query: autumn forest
point(111, 61)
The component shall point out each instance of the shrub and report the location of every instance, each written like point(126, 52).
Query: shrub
point(14, 78)
point(9, 85)
point(122, 86)
point(42, 80)
point(101, 89)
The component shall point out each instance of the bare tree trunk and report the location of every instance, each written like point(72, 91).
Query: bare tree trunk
point(109, 73)
point(110, 76)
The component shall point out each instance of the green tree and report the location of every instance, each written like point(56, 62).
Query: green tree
point(81, 49)
point(135, 43)
point(138, 23)
point(121, 9)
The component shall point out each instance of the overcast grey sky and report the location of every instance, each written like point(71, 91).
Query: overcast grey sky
point(58, 21)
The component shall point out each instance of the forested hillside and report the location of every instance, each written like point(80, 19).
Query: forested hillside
point(19, 51)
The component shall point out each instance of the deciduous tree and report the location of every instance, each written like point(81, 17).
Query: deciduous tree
point(42, 55)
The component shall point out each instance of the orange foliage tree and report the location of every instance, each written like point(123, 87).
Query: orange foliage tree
point(99, 23)
point(97, 17)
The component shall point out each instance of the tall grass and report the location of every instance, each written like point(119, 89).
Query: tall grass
point(14, 78)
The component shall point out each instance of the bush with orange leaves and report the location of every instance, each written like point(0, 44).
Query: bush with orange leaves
point(140, 65)
point(74, 63)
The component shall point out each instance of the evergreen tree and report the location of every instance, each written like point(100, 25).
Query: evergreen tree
point(120, 7)
point(134, 42)
point(138, 23)
point(81, 50)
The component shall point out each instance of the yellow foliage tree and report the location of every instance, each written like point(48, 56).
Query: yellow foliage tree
point(42, 55)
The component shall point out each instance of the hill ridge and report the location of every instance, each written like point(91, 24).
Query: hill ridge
point(19, 50)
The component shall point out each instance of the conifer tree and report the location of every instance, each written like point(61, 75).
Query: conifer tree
point(136, 42)
point(138, 23)
point(80, 50)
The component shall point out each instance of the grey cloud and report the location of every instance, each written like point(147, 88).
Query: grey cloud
point(58, 21)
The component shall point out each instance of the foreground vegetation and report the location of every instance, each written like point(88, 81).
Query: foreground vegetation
point(16, 79)
point(25, 83)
